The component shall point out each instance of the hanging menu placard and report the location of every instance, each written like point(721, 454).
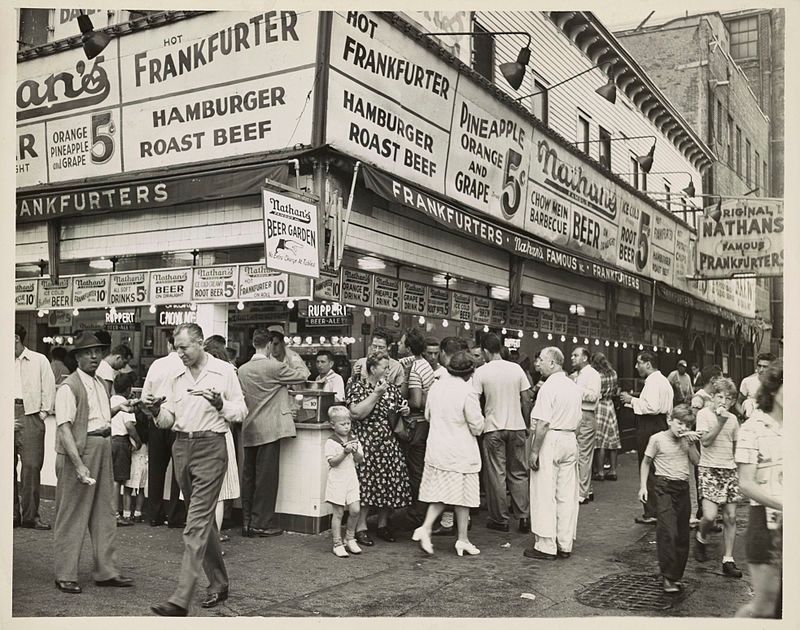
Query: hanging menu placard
point(328, 286)
point(55, 294)
point(25, 294)
point(128, 288)
point(531, 318)
point(481, 310)
point(594, 330)
point(215, 284)
point(560, 323)
point(414, 298)
point(516, 316)
point(356, 287)
point(259, 282)
point(461, 306)
point(90, 292)
point(171, 286)
point(546, 321)
point(499, 313)
point(438, 302)
point(584, 327)
point(387, 292)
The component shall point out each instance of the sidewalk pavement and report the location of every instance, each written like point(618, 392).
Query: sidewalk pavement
point(296, 575)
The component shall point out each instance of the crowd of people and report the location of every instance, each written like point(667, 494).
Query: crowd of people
point(435, 431)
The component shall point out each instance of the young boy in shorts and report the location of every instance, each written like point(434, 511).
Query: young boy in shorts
point(719, 483)
point(671, 452)
point(124, 440)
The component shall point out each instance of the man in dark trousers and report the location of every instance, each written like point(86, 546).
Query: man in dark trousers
point(159, 448)
point(85, 484)
point(264, 379)
point(200, 400)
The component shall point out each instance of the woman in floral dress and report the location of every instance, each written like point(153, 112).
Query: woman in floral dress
point(607, 437)
point(382, 475)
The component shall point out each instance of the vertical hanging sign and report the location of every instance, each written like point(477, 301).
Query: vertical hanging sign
point(290, 234)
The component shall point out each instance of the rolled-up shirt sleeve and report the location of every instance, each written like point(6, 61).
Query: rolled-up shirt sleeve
point(647, 403)
point(65, 405)
point(234, 408)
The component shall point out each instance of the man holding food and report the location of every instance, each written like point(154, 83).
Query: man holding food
point(200, 398)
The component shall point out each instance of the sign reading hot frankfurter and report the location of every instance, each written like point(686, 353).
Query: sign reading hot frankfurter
point(746, 239)
point(290, 234)
point(90, 291)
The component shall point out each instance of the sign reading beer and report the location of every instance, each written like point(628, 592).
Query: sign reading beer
point(129, 288)
point(90, 291)
point(171, 286)
point(259, 282)
point(387, 293)
point(461, 307)
point(215, 284)
point(438, 302)
point(290, 234)
point(172, 315)
point(55, 294)
point(746, 239)
point(25, 294)
point(356, 287)
point(330, 314)
point(414, 298)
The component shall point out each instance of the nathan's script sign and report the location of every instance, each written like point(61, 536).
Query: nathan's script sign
point(356, 287)
point(215, 284)
point(129, 288)
point(55, 294)
point(258, 282)
point(387, 292)
point(25, 294)
point(90, 291)
point(171, 286)
point(328, 286)
point(290, 234)
point(746, 239)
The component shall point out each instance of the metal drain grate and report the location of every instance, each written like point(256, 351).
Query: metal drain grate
point(629, 591)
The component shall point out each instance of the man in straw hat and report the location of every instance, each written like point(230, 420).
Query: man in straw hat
point(85, 485)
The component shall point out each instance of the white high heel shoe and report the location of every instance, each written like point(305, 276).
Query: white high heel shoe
point(471, 549)
point(421, 536)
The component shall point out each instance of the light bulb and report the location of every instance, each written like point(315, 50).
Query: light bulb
point(240, 306)
point(574, 340)
point(597, 342)
point(309, 339)
point(287, 340)
point(667, 350)
point(485, 329)
point(616, 344)
point(535, 334)
point(396, 316)
point(322, 339)
point(152, 308)
point(563, 338)
point(624, 344)
point(69, 340)
point(641, 347)
point(59, 340)
point(504, 331)
point(608, 343)
point(586, 341)
point(466, 326)
point(297, 339)
point(290, 304)
point(368, 312)
point(445, 323)
point(655, 349)
point(40, 313)
point(549, 336)
point(421, 320)
point(679, 350)
point(334, 340)
point(298, 397)
point(520, 334)
point(46, 311)
point(75, 312)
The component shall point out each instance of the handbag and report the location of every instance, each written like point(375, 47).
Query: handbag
point(402, 427)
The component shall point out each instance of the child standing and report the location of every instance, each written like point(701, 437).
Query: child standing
point(719, 483)
point(137, 482)
point(343, 451)
point(671, 452)
point(124, 441)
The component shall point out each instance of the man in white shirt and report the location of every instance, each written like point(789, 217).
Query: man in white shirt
point(553, 460)
point(395, 373)
point(681, 384)
point(34, 392)
point(748, 389)
point(159, 447)
point(507, 413)
point(109, 367)
point(201, 399)
point(326, 374)
point(588, 379)
point(651, 408)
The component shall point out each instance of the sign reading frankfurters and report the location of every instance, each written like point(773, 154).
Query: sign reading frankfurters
point(259, 282)
point(746, 239)
point(90, 291)
point(290, 234)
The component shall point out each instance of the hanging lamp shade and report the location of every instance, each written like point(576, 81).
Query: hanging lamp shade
point(514, 71)
point(608, 91)
point(714, 212)
point(94, 42)
point(689, 190)
point(646, 161)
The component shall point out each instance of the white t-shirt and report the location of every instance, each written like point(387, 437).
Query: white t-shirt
point(749, 386)
point(501, 382)
point(558, 402)
point(719, 454)
point(119, 419)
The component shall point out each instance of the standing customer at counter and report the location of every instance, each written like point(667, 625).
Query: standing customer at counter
point(200, 399)
point(333, 382)
point(264, 379)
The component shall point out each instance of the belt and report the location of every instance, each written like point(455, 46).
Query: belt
point(19, 401)
point(103, 433)
point(193, 435)
point(564, 430)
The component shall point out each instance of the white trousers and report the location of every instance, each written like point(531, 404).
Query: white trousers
point(554, 493)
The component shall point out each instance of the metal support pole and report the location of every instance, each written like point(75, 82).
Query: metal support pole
point(340, 253)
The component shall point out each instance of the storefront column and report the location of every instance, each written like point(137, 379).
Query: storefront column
point(213, 319)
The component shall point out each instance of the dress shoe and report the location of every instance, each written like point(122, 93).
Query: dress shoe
point(443, 531)
point(214, 599)
point(176, 526)
point(500, 527)
point(564, 554)
point(68, 587)
point(672, 587)
point(362, 538)
point(591, 496)
point(119, 581)
point(138, 518)
point(700, 551)
point(36, 524)
point(154, 522)
point(466, 547)
point(352, 546)
point(611, 476)
point(524, 526)
point(123, 521)
point(265, 533)
point(730, 569)
point(421, 536)
point(224, 538)
point(532, 552)
point(385, 534)
point(598, 477)
point(646, 520)
point(168, 609)
point(340, 552)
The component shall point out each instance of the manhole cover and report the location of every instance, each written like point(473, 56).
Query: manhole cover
point(629, 591)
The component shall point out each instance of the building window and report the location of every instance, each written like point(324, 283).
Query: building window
point(720, 137)
point(744, 38)
point(748, 173)
point(730, 141)
point(738, 151)
point(634, 173)
point(755, 169)
point(668, 196)
point(483, 52)
point(33, 27)
point(540, 102)
point(765, 180)
point(605, 148)
point(583, 132)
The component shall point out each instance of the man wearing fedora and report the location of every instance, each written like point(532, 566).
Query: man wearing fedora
point(34, 390)
point(85, 479)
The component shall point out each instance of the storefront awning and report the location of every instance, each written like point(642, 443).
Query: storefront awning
point(471, 225)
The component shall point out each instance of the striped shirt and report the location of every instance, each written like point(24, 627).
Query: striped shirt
point(420, 377)
point(670, 460)
point(718, 454)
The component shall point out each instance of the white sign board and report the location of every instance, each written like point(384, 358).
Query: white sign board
point(290, 234)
